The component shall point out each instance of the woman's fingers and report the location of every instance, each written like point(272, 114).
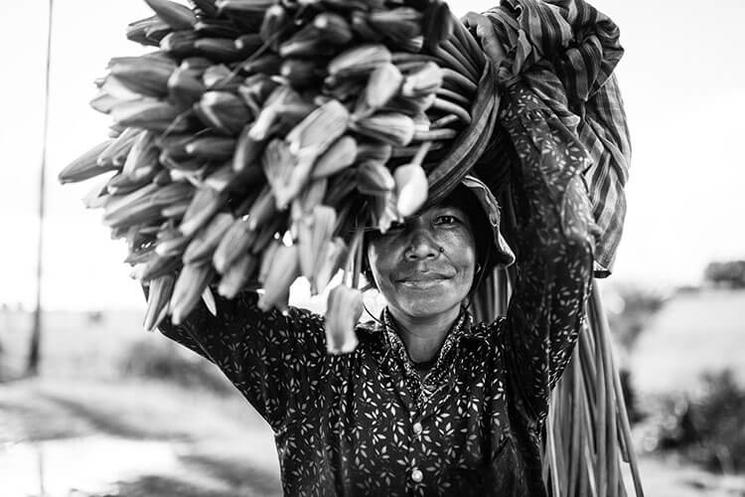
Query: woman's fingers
point(485, 35)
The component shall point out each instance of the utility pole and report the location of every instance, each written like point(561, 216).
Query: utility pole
point(34, 353)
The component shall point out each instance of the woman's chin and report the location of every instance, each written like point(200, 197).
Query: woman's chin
point(422, 302)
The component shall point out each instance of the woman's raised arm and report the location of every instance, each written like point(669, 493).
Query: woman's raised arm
point(563, 112)
point(275, 360)
point(554, 248)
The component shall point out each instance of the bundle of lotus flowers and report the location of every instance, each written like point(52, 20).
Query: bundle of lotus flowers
point(258, 122)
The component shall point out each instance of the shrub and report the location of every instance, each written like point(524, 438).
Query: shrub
point(710, 429)
point(164, 360)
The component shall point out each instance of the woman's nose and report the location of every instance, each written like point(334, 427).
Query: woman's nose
point(422, 245)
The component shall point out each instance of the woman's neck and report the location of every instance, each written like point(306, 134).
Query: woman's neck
point(423, 336)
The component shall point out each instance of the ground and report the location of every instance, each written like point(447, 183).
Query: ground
point(83, 429)
point(131, 438)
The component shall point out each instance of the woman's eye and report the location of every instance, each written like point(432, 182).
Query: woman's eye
point(446, 220)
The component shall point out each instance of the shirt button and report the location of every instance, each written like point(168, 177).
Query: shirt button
point(417, 428)
point(417, 475)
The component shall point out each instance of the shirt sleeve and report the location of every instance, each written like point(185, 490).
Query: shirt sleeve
point(554, 246)
point(275, 360)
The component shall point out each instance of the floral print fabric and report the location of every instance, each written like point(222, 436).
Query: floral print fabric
point(366, 423)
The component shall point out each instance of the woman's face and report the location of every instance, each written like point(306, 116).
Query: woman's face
point(425, 267)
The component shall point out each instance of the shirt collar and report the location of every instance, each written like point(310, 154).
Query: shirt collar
point(385, 340)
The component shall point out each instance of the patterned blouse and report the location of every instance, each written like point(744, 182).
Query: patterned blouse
point(365, 422)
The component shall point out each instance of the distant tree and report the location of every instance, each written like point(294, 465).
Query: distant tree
point(730, 274)
point(628, 322)
point(640, 305)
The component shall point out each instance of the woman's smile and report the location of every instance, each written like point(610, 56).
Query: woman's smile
point(423, 282)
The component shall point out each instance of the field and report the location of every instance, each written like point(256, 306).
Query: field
point(82, 428)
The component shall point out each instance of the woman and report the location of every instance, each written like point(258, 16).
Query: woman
point(429, 403)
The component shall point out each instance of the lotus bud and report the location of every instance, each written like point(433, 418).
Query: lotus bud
point(237, 275)
point(224, 111)
point(342, 313)
point(137, 31)
point(205, 203)
point(171, 244)
point(262, 210)
point(300, 73)
point(212, 148)
point(340, 155)
point(255, 90)
point(145, 75)
point(177, 16)
point(130, 181)
point(283, 271)
point(185, 87)
point(104, 102)
point(266, 64)
point(362, 27)
point(86, 166)
point(438, 23)
point(221, 77)
point(333, 28)
point(209, 301)
point(424, 81)
point(160, 292)
point(179, 43)
point(132, 208)
point(373, 151)
point(391, 127)
point(157, 266)
point(147, 114)
point(373, 178)
point(219, 49)
point(203, 245)
point(313, 233)
point(249, 42)
point(276, 19)
point(190, 285)
point(234, 243)
point(269, 115)
point(244, 6)
point(311, 196)
point(267, 258)
point(96, 197)
point(411, 188)
point(383, 83)
point(319, 129)
point(359, 60)
point(328, 264)
point(400, 24)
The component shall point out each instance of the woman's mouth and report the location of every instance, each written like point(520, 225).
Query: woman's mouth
point(423, 281)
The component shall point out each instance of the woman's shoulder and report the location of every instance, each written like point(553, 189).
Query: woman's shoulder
point(491, 332)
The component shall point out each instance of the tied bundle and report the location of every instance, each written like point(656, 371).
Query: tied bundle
point(259, 138)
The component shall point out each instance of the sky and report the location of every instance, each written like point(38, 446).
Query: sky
point(683, 83)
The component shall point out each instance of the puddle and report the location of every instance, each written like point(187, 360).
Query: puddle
point(80, 466)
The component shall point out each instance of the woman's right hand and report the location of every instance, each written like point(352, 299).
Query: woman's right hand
point(484, 32)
